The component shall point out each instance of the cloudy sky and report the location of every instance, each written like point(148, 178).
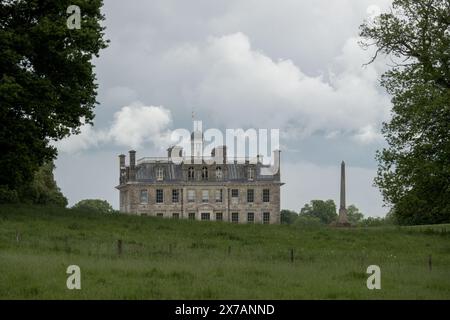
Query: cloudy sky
point(294, 65)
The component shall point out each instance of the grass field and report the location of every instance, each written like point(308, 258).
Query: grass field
point(171, 259)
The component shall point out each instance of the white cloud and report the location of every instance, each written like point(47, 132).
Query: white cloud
point(88, 138)
point(368, 135)
point(247, 88)
point(137, 124)
point(132, 127)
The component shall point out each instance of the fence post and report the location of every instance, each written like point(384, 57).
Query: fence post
point(430, 266)
point(119, 247)
point(292, 255)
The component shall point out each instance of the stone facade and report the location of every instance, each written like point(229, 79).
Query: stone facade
point(233, 191)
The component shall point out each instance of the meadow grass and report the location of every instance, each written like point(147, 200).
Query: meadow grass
point(179, 259)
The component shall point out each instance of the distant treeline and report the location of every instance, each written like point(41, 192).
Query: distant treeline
point(322, 213)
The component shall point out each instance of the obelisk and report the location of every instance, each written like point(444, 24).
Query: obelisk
point(342, 220)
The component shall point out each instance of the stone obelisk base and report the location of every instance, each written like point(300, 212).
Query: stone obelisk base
point(342, 220)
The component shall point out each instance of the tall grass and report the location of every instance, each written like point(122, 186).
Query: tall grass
point(178, 259)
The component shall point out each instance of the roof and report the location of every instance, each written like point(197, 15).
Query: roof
point(146, 171)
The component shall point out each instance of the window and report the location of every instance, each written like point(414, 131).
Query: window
point(251, 173)
point(191, 173)
point(250, 217)
point(266, 195)
point(204, 173)
point(219, 216)
point(205, 195)
point(191, 195)
point(219, 174)
point(234, 193)
point(160, 215)
point(205, 216)
point(235, 217)
point(250, 195)
point(219, 195)
point(266, 217)
point(191, 215)
point(144, 196)
point(159, 196)
point(175, 195)
point(159, 174)
point(175, 215)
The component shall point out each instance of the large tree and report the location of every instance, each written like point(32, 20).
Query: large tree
point(288, 216)
point(94, 205)
point(325, 211)
point(414, 169)
point(47, 82)
point(354, 215)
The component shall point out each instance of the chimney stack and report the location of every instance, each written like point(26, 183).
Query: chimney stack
point(132, 165)
point(122, 175)
point(122, 161)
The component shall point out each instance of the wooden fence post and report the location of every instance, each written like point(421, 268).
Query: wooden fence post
point(430, 266)
point(119, 247)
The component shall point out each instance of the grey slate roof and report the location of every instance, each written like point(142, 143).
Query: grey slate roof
point(146, 172)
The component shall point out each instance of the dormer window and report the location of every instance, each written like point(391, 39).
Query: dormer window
point(204, 173)
point(159, 174)
point(251, 173)
point(191, 173)
point(219, 174)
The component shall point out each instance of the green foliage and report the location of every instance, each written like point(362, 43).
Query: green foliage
point(8, 196)
point(374, 222)
point(414, 170)
point(47, 83)
point(325, 211)
point(288, 216)
point(354, 215)
point(182, 259)
point(305, 221)
point(43, 189)
point(94, 205)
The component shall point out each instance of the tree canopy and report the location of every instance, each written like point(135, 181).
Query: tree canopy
point(325, 211)
point(47, 82)
point(288, 216)
point(94, 205)
point(414, 169)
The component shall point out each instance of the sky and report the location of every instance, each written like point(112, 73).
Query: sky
point(292, 65)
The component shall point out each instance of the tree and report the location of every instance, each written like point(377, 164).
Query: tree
point(47, 83)
point(288, 216)
point(43, 189)
point(414, 170)
point(354, 216)
point(94, 205)
point(325, 211)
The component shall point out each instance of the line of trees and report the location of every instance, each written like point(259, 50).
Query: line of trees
point(318, 213)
